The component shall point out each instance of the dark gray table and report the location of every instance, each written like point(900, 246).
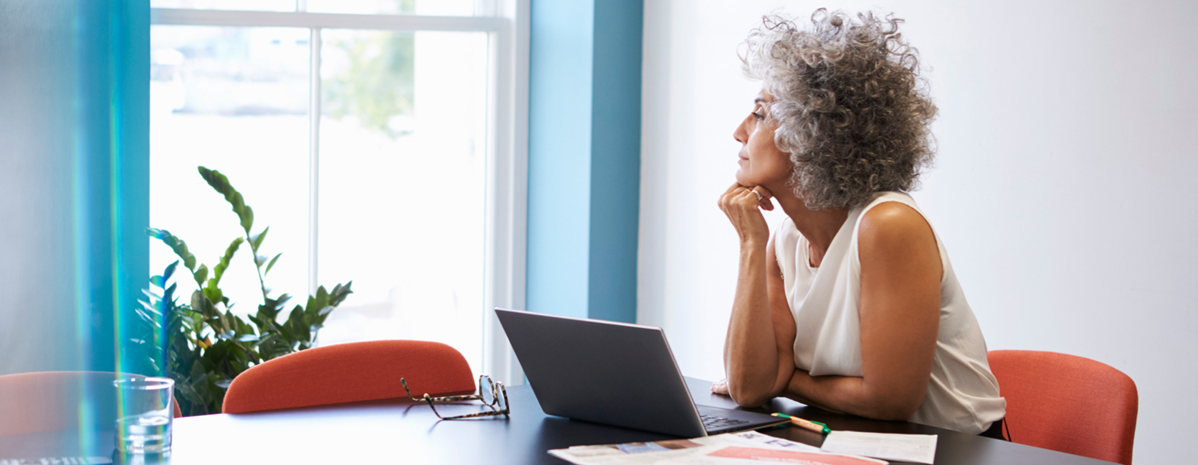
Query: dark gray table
point(398, 431)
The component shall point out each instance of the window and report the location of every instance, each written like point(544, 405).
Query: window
point(376, 138)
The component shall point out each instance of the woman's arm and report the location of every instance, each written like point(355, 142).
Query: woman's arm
point(900, 316)
point(759, 346)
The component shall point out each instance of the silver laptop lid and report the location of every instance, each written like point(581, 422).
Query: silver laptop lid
point(604, 372)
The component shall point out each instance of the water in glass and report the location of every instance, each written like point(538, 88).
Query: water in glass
point(145, 434)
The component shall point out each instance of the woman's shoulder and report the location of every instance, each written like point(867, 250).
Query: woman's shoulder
point(892, 213)
point(896, 232)
point(892, 219)
point(889, 197)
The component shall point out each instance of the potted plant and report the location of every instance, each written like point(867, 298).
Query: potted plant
point(200, 343)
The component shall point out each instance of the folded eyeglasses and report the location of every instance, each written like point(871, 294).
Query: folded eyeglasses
point(491, 393)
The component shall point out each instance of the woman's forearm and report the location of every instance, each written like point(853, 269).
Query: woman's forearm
point(847, 394)
point(750, 350)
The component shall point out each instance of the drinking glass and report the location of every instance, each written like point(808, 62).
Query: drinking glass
point(145, 410)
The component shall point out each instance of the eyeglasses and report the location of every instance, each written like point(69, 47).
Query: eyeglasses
point(491, 393)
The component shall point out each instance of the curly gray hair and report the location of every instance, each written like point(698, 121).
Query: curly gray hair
point(850, 107)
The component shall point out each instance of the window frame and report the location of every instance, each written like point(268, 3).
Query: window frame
point(507, 135)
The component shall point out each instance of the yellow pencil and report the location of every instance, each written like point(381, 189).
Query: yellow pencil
point(811, 425)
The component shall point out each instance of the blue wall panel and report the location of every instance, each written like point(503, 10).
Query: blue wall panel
point(584, 157)
point(615, 159)
point(559, 137)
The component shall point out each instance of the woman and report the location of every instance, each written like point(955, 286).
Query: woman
point(852, 305)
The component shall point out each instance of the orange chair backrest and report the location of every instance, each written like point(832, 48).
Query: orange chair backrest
point(1067, 403)
point(53, 400)
point(351, 372)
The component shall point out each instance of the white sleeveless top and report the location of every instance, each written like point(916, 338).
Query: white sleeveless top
point(962, 392)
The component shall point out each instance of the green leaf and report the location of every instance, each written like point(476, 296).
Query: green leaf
point(214, 294)
point(339, 293)
point(194, 400)
point(299, 329)
point(266, 312)
point(170, 270)
point(244, 329)
point(272, 263)
point(267, 345)
point(197, 374)
point(219, 271)
point(169, 294)
point(286, 335)
point(247, 218)
point(177, 245)
point(202, 306)
point(201, 274)
point(212, 289)
point(256, 240)
point(318, 301)
point(221, 184)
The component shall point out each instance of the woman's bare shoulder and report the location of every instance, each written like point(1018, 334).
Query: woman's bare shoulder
point(891, 227)
point(895, 220)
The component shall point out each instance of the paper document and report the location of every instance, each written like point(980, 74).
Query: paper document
point(733, 455)
point(723, 449)
point(918, 448)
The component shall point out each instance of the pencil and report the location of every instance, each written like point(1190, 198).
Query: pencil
point(806, 424)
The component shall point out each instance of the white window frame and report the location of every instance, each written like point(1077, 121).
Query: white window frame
point(507, 134)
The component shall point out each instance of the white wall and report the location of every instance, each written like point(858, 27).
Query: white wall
point(1060, 189)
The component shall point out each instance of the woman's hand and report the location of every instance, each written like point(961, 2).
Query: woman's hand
point(720, 387)
point(741, 205)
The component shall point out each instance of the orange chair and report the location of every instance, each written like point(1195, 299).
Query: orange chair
point(352, 372)
point(1067, 403)
point(51, 400)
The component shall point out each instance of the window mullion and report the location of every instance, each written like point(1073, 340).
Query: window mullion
point(314, 112)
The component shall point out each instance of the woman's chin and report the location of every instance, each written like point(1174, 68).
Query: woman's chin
point(742, 179)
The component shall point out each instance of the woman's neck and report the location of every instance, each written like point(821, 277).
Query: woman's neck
point(819, 227)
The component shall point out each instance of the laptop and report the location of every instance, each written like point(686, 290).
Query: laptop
point(616, 374)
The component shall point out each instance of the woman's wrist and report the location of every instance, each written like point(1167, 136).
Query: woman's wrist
point(752, 243)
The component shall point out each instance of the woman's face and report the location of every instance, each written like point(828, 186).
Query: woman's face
point(761, 163)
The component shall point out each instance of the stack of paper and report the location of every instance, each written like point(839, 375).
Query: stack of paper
point(724, 449)
point(839, 448)
point(918, 448)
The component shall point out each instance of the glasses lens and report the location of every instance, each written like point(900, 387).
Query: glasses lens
point(500, 398)
point(486, 389)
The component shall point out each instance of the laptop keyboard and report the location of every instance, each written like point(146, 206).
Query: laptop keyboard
point(712, 422)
